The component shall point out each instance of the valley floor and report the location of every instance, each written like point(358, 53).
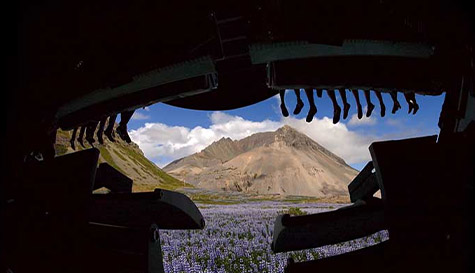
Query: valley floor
point(217, 197)
point(237, 238)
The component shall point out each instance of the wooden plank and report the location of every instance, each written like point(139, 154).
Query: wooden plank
point(168, 209)
point(108, 177)
point(366, 260)
point(315, 230)
point(364, 185)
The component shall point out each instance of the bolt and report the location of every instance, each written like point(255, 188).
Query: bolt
point(159, 193)
point(154, 234)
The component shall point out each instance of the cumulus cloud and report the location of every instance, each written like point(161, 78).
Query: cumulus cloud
point(235, 127)
point(349, 145)
point(163, 144)
point(394, 122)
point(364, 121)
point(140, 116)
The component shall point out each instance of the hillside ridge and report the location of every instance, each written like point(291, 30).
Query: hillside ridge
point(126, 158)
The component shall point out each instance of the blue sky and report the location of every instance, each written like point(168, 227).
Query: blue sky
point(166, 133)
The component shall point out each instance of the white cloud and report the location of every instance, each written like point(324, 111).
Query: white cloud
point(163, 143)
point(394, 122)
point(235, 127)
point(139, 116)
point(349, 145)
point(364, 121)
point(160, 141)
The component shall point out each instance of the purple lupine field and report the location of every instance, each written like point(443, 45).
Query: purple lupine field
point(237, 238)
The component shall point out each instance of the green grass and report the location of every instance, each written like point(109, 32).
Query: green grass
point(135, 169)
point(168, 181)
point(60, 149)
point(145, 187)
point(301, 199)
point(293, 211)
point(126, 153)
point(212, 199)
point(225, 199)
point(63, 134)
point(108, 158)
point(119, 154)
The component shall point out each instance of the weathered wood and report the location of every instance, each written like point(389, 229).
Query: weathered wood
point(366, 260)
point(168, 209)
point(314, 230)
point(112, 179)
point(364, 185)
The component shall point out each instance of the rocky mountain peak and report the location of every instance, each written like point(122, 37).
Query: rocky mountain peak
point(285, 161)
point(298, 140)
point(287, 132)
point(223, 140)
point(223, 149)
point(286, 128)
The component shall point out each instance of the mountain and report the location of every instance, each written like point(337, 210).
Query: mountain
point(126, 158)
point(284, 162)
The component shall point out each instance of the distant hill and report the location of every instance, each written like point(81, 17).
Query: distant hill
point(126, 158)
point(284, 162)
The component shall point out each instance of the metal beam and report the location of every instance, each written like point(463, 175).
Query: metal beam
point(167, 209)
point(265, 53)
point(364, 185)
point(110, 178)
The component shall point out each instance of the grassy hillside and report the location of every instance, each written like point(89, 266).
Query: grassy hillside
point(128, 159)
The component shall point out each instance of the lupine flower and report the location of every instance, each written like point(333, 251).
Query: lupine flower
point(237, 238)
